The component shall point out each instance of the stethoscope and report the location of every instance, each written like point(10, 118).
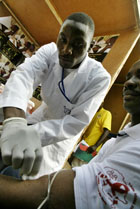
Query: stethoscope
point(61, 86)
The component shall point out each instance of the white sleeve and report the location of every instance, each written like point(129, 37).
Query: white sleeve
point(52, 131)
point(104, 149)
point(22, 82)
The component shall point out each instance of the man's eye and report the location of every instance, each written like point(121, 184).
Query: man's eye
point(78, 45)
point(81, 45)
point(63, 40)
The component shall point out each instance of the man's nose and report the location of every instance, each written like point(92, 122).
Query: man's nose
point(67, 49)
point(130, 83)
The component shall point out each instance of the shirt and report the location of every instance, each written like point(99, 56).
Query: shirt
point(112, 178)
point(101, 120)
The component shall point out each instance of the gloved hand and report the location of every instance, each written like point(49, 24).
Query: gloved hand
point(21, 146)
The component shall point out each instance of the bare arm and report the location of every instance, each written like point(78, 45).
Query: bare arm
point(21, 194)
point(102, 137)
point(29, 194)
point(101, 140)
point(13, 112)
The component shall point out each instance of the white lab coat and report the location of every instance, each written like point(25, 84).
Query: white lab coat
point(58, 121)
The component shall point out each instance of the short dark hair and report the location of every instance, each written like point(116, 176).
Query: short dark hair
point(82, 17)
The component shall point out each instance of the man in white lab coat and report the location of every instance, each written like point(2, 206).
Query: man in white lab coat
point(73, 87)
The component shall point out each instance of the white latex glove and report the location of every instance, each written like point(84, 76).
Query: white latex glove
point(21, 146)
point(30, 106)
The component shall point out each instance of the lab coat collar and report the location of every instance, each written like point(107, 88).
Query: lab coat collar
point(57, 67)
point(80, 69)
point(83, 65)
point(132, 131)
point(55, 58)
point(80, 73)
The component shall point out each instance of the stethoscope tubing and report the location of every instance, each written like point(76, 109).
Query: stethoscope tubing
point(61, 82)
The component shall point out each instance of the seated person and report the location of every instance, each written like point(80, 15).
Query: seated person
point(96, 133)
point(110, 180)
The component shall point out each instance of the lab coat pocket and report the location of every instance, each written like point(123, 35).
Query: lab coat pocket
point(67, 108)
point(64, 107)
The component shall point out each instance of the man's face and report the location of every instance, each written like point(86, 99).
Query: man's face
point(131, 90)
point(73, 42)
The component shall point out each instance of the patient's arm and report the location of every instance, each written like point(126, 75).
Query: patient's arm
point(21, 194)
point(29, 194)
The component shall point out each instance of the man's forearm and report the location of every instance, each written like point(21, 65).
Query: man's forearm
point(13, 112)
point(102, 138)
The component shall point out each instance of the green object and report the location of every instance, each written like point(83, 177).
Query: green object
point(83, 155)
